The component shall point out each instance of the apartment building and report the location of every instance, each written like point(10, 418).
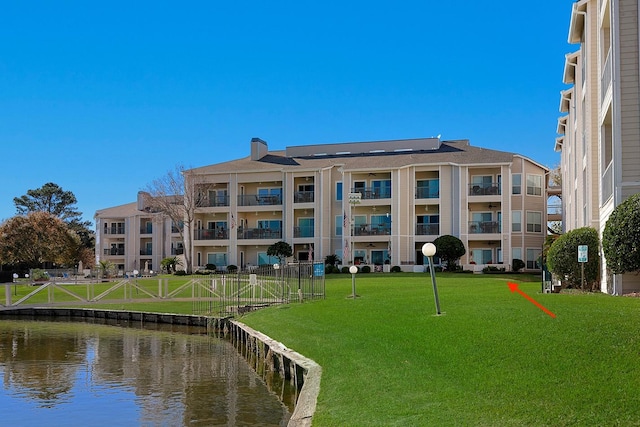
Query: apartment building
point(133, 238)
point(600, 129)
point(373, 203)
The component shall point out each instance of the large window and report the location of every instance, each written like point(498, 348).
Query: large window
point(382, 188)
point(482, 256)
point(428, 189)
point(516, 186)
point(516, 221)
point(532, 258)
point(534, 185)
point(534, 222)
point(264, 259)
point(218, 259)
point(339, 191)
point(339, 221)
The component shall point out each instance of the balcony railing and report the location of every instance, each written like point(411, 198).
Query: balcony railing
point(427, 191)
point(146, 230)
point(211, 234)
point(177, 251)
point(484, 227)
point(370, 193)
point(259, 200)
point(427, 229)
point(306, 231)
point(259, 233)
point(485, 189)
point(303, 197)
point(371, 229)
point(146, 252)
point(114, 230)
point(112, 251)
point(218, 201)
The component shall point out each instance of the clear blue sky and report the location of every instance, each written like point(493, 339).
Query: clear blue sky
point(102, 98)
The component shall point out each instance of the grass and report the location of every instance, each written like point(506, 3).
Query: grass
point(493, 358)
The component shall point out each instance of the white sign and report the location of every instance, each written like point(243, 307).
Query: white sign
point(582, 253)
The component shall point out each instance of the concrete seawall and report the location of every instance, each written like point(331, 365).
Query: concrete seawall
point(260, 351)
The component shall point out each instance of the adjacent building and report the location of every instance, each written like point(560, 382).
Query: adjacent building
point(600, 129)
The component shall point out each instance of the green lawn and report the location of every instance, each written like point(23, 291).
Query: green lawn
point(493, 358)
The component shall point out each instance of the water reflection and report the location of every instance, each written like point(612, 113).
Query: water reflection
point(56, 372)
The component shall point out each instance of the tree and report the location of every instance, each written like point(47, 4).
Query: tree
point(52, 199)
point(37, 238)
point(171, 264)
point(332, 260)
point(621, 237)
point(562, 257)
point(176, 196)
point(450, 249)
point(280, 250)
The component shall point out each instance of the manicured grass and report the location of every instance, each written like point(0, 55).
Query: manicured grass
point(492, 359)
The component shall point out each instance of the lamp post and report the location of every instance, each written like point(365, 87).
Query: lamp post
point(353, 270)
point(429, 250)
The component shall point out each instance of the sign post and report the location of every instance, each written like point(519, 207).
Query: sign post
point(583, 251)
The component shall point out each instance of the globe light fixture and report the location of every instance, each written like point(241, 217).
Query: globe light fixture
point(429, 250)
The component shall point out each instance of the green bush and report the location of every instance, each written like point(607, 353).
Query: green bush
point(620, 238)
point(180, 273)
point(562, 258)
point(345, 269)
point(210, 267)
point(365, 269)
point(396, 269)
point(518, 264)
point(232, 268)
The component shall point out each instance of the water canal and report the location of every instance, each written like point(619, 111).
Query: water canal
point(58, 373)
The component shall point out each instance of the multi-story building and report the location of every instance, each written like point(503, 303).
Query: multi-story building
point(600, 130)
point(131, 237)
point(410, 192)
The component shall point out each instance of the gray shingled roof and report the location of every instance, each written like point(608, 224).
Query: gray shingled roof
point(456, 152)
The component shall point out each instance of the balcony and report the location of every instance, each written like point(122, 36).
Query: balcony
point(428, 191)
point(259, 200)
point(114, 230)
point(259, 233)
point(372, 230)
point(211, 234)
point(217, 201)
point(427, 229)
point(303, 231)
point(146, 252)
point(177, 251)
point(491, 189)
point(484, 227)
point(303, 197)
point(371, 193)
point(113, 251)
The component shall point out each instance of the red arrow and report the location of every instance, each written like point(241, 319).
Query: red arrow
point(514, 288)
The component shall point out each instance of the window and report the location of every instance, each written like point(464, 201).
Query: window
point(339, 221)
point(534, 222)
point(306, 227)
point(428, 189)
point(482, 256)
point(270, 224)
point(217, 259)
point(264, 259)
point(516, 187)
point(516, 253)
point(532, 258)
point(516, 221)
point(534, 185)
point(339, 191)
point(382, 188)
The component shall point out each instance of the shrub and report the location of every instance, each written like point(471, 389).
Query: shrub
point(180, 273)
point(518, 264)
point(396, 269)
point(562, 257)
point(365, 269)
point(210, 267)
point(328, 269)
point(344, 270)
point(620, 239)
point(449, 249)
point(232, 268)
